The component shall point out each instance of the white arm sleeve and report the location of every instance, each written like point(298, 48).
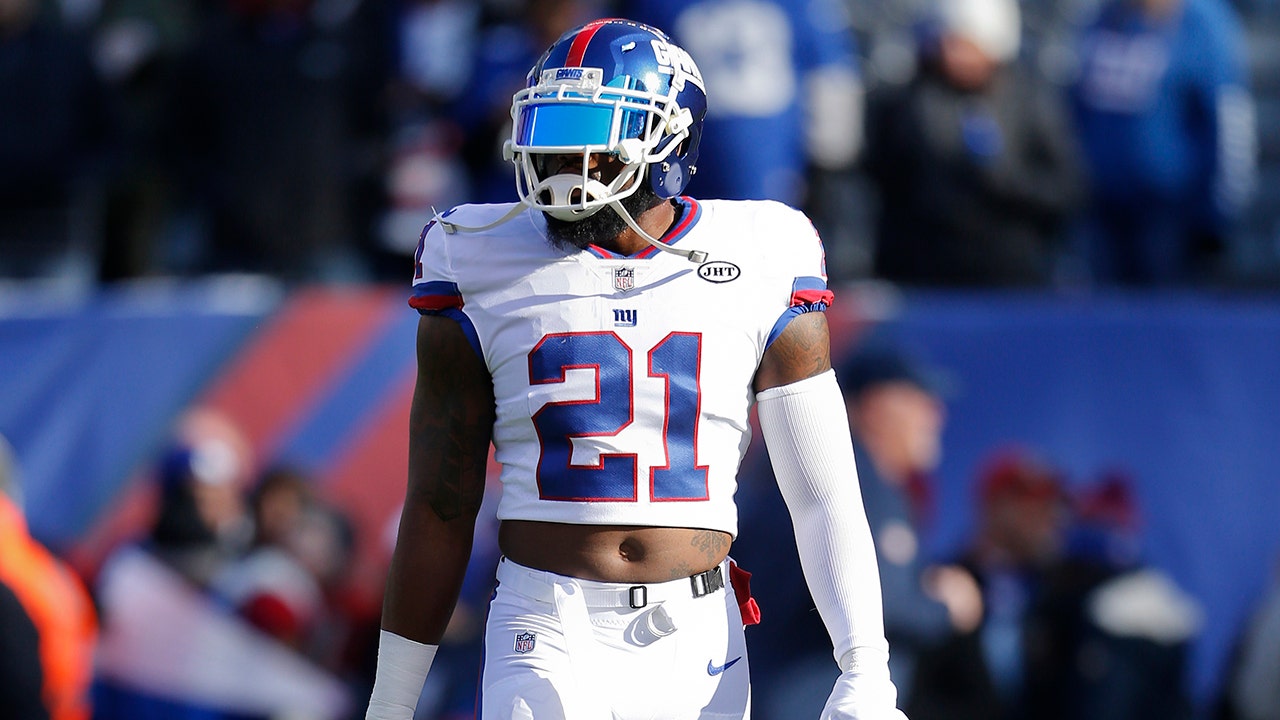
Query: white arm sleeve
point(807, 433)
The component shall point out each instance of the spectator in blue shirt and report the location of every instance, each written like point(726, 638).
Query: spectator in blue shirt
point(1166, 120)
point(787, 87)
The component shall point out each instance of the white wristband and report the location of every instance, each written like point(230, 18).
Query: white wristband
point(402, 669)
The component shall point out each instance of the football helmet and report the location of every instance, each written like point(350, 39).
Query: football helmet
point(610, 86)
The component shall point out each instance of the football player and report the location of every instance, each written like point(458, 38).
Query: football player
point(609, 335)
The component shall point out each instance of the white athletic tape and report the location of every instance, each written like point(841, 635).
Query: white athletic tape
point(402, 669)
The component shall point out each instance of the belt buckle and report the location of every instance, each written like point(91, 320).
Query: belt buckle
point(637, 596)
point(705, 583)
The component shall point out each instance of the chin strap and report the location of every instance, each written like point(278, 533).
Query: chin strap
point(452, 227)
point(697, 256)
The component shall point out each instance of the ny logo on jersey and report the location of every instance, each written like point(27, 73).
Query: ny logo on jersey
point(624, 318)
point(624, 278)
point(525, 642)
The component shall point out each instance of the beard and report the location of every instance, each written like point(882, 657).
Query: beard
point(602, 226)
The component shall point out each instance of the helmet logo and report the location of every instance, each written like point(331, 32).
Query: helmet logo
point(584, 79)
point(674, 61)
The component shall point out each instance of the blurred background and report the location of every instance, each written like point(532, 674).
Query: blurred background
point(1052, 226)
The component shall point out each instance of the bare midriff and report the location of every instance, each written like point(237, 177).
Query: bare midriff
point(613, 553)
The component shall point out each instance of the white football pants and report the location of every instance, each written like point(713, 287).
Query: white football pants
point(560, 648)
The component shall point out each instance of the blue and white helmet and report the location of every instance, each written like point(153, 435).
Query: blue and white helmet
point(610, 86)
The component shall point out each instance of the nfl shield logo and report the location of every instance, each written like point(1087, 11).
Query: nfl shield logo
point(624, 278)
point(524, 642)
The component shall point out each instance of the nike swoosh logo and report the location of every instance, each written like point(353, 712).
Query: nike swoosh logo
point(713, 669)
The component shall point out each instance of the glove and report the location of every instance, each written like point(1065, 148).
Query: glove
point(862, 697)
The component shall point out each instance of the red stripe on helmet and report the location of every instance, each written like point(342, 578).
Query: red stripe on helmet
point(580, 42)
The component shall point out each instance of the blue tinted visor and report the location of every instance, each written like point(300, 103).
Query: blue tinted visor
point(565, 125)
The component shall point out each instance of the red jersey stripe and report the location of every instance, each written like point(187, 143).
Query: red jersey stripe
point(435, 302)
point(809, 297)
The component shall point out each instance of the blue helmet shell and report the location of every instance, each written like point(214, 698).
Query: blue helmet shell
point(611, 86)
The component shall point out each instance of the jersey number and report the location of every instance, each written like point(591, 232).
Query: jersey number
point(675, 359)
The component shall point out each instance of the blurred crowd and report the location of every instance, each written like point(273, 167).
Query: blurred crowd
point(1049, 609)
point(979, 143)
point(223, 589)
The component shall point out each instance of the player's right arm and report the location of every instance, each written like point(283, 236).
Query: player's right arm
point(450, 428)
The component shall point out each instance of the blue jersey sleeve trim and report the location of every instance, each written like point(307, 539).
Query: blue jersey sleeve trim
point(468, 328)
point(435, 295)
point(790, 314)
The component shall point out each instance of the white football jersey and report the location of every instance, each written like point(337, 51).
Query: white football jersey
point(623, 384)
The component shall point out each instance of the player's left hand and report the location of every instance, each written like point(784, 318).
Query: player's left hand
point(858, 697)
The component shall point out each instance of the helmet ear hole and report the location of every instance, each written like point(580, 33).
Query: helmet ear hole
point(668, 179)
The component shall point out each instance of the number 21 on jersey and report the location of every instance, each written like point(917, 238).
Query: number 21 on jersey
point(676, 360)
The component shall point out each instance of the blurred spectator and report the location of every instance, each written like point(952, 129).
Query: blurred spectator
point(1166, 119)
point(291, 584)
point(785, 114)
point(509, 44)
point(137, 46)
point(323, 543)
point(269, 586)
point(897, 414)
point(433, 35)
point(49, 623)
point(279, 124)
point(54, 129)
point(171, 647)
point(1253, 685)
point(21, 677)
point(426, 168)
point(1010, 663)
point(973, 160)
point(200, 524)
point(786, 90)
point(277, 504)
point(1122, 628)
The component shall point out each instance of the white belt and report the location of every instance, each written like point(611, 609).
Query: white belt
point(539, 585)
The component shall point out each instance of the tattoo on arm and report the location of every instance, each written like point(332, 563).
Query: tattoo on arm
point(802, 351)
point(451, 423)
point(450, 475)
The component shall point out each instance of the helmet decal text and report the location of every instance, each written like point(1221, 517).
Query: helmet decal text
point(674, 61)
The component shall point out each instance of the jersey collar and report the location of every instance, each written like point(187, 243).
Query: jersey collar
point(689, 212)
